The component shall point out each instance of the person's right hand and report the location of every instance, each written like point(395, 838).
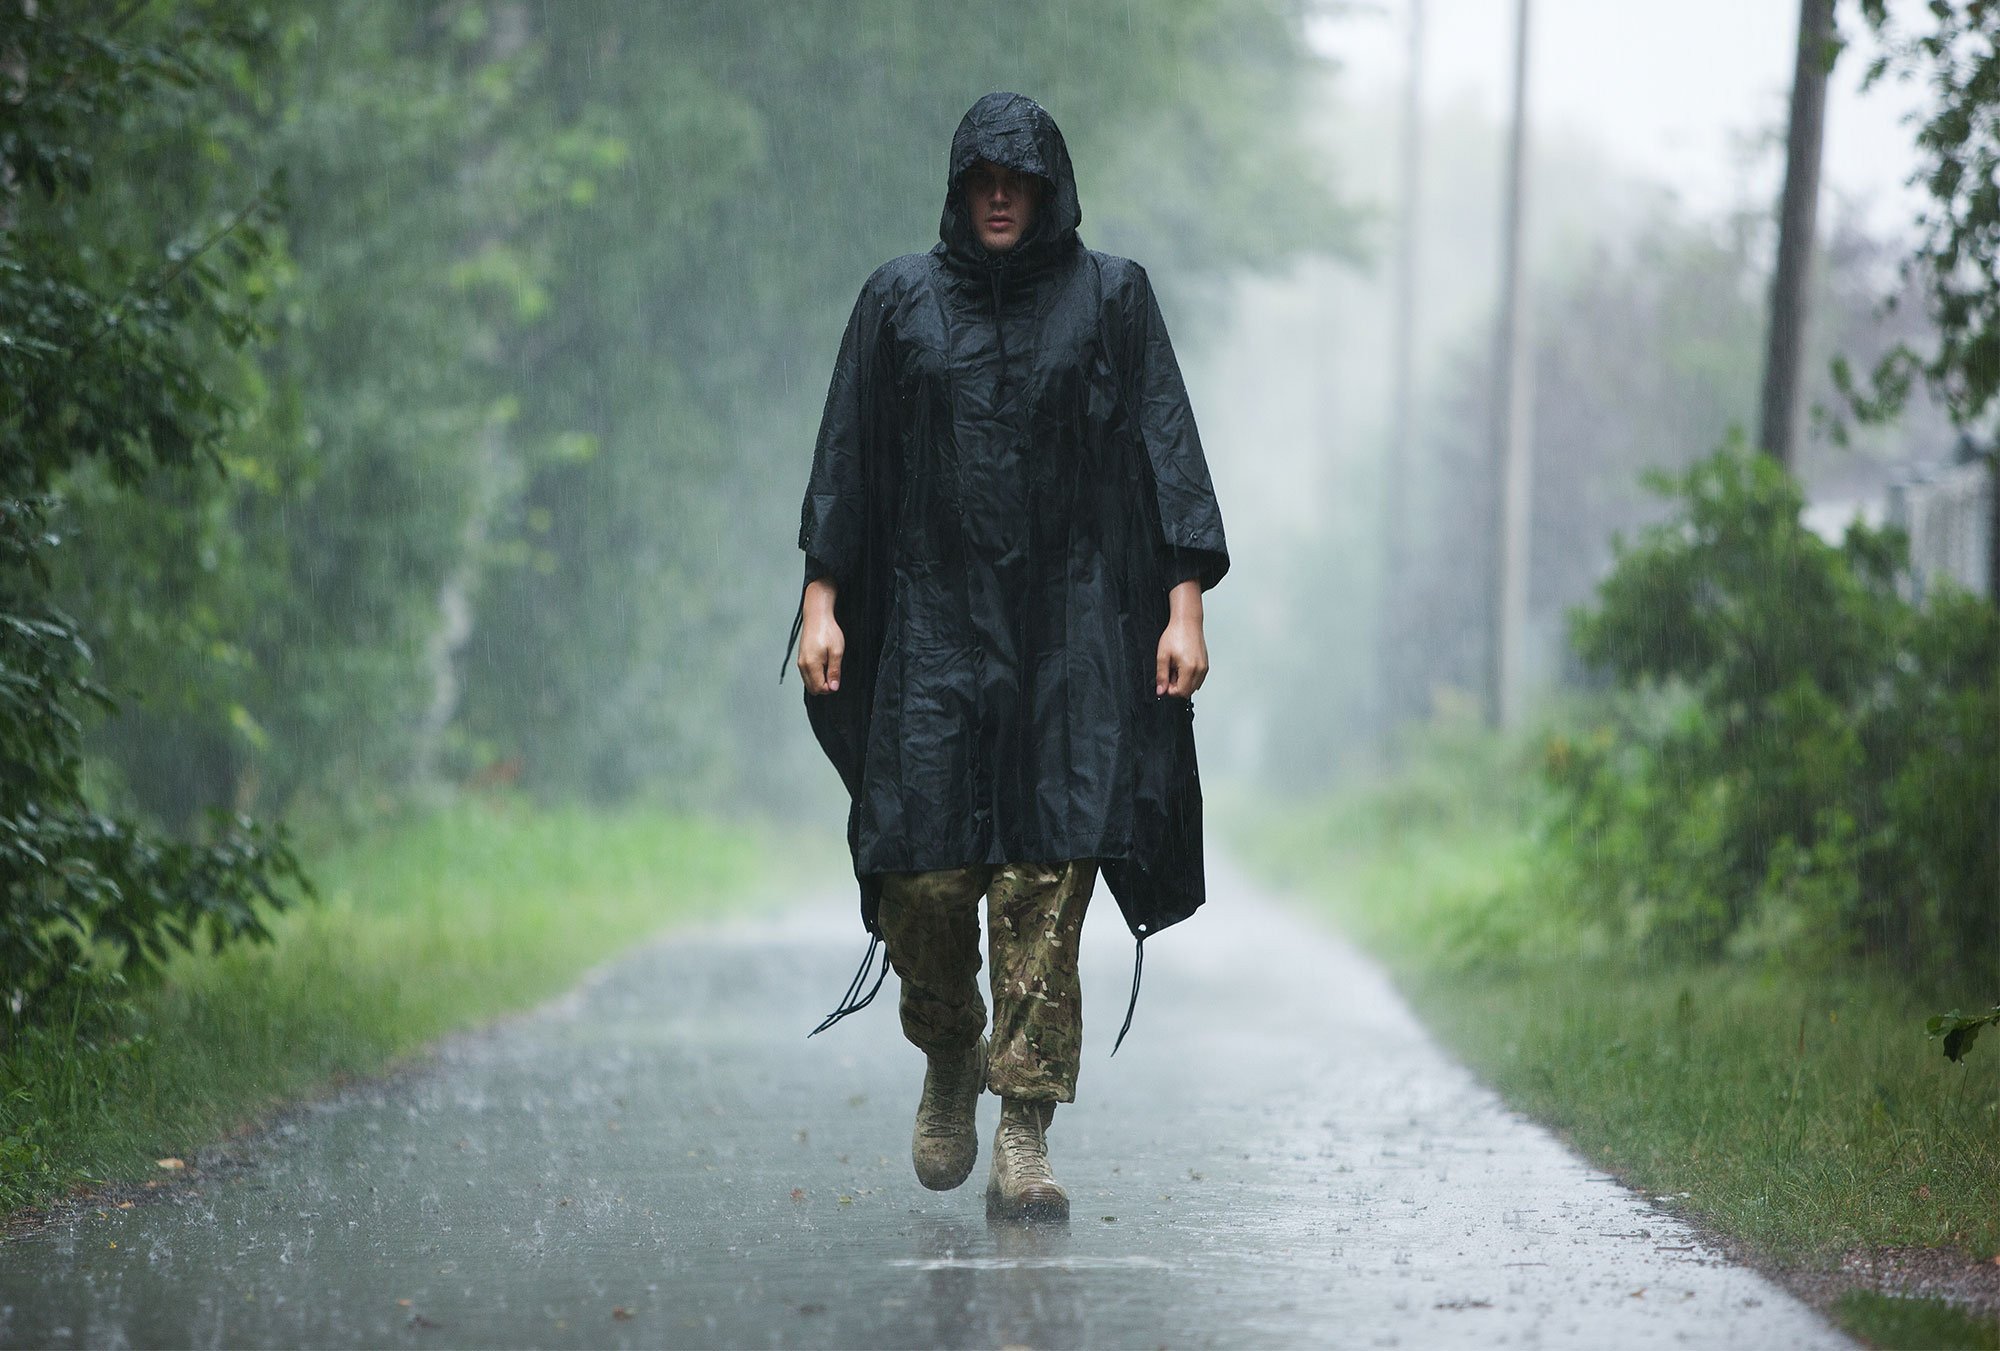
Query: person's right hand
point(821, 643)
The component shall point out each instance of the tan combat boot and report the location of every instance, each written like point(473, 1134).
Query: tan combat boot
point(1021, 1186)
point(947, 1137)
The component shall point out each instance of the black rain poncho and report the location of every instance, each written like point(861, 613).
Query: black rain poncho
point(1006, 485)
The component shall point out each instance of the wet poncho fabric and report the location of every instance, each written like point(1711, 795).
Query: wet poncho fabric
point(1007, 483)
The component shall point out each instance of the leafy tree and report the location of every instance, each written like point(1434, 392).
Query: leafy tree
point(1954, 51)
point(280, 631)
point(105, 349)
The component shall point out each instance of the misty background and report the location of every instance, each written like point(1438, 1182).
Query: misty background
point(553, 291)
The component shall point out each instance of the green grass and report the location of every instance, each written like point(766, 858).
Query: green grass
point(1804, 1115)
point(437, 923)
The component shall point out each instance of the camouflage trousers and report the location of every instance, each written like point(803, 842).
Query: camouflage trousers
point(1034, 914)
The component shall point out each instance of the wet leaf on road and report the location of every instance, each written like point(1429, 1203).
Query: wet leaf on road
point(798, 1193)
point(621, 1314)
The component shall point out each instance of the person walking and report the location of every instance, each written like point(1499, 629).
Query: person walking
point(1008, 530)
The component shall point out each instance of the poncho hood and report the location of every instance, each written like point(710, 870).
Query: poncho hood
point(1015, 132)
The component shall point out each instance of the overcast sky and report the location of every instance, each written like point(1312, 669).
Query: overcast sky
point(1673, 90)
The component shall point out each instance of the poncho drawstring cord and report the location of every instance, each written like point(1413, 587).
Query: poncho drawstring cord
point(1138, 965)
point(849, 1003)
point(798, 626)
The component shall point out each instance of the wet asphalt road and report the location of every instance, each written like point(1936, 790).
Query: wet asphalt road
point(1278, 1157)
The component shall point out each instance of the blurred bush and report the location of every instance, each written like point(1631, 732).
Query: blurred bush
point(1796, 761)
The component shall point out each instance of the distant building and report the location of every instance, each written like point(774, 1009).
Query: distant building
point(1945, 509)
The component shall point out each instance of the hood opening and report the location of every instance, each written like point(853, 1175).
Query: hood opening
point(1014, 131)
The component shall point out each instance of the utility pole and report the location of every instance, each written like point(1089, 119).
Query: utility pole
point(1507, 613)
point(1784, 353)
point(1396, 469)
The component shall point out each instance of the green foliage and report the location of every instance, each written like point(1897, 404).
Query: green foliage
point(107, 337)
point(1959, 1030)
point(1798, 761)
point(103, 350)
point(1955, 266)
point(24, 1163)
point(272, 633)
point(1952, 52)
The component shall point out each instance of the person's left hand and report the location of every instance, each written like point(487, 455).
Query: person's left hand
point(1181, 662)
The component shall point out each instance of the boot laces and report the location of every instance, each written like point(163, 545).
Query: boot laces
point(1026, 1146)
point(944, 1086)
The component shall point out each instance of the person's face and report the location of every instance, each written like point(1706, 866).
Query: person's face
point(1002, 202)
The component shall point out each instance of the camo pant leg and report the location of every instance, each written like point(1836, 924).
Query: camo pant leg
point(930, 924)
point(1034, 919)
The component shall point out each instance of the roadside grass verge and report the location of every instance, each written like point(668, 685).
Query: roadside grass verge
point(1803, 1114)
point(435, 923)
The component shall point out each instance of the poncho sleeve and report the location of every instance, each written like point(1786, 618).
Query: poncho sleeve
point(1190, 522)
point(846, 524)
point(833, 519)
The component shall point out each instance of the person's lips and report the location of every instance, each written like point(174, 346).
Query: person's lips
point(999, 222)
